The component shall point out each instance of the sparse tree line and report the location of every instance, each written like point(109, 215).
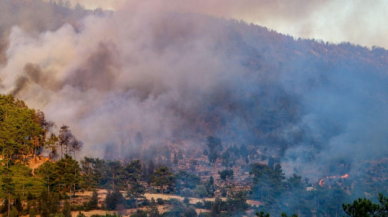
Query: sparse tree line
point(216, 151)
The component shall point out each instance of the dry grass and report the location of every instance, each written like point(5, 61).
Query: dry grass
point(193, 200)
point(201, 210)
point(254, 202)
point(91, 212)
point(126, 212)
point(162, 209)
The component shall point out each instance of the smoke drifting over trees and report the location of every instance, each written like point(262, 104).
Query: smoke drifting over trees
point(180, 77)
point(355, 21)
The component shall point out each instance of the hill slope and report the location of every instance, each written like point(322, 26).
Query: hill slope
point(177, 78)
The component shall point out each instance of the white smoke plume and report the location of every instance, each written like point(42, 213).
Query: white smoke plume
point(122, 74)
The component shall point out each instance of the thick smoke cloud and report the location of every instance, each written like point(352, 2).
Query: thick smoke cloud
point(178, 77)
point(121, 75)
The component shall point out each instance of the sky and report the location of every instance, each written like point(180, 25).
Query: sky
point(355, 21)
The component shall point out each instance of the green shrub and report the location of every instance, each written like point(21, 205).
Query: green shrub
point(80, 214)
point(186, 192)
point(77, 207)
point(199, 205)
point(32, 212)
point(160, 201)
point(30, 196)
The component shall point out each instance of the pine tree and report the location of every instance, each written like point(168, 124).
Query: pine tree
point(14, 212)
point(132, 172)
point(114, 169)
point(68, 172)
point(262, 214)
point(114, 199)
point(30, 196)
point(18, 203)
point(136, 191)
point(163, 177)
point(54, 204)
point(211, 181)
point(365, 207)
point(153, 209)
point(216, 207)
point(64, 138)
point(8, 187)
point(215, 147)
point(32, 212)
point(44, 204)
point(93, 203)
point(66, 211)
point(190, 212)
point(109, 200)
point(48, 173)
point(87, 172)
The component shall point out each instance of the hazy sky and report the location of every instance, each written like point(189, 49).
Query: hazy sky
point(357, 21)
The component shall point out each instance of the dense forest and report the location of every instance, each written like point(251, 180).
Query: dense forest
point(60, 177)
point(25, 132)
point(185, 105)
point(299, 98)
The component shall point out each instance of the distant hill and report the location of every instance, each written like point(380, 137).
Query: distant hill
point(310, 100)
point(306, 100)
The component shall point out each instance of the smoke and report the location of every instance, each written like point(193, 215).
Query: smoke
point(20, 84)
point(3, 48)
point(173, 75)
point(336, 21)
point(123, 74)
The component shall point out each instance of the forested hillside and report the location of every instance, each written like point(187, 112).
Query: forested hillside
point(25, 132)
point(22, 130)
point(61, 178)
point(184, 104)
point(299, 98)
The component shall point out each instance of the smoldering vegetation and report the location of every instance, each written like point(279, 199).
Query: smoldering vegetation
point(175, 78)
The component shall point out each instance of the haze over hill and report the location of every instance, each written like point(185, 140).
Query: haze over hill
point(359, 22)
point(179, 77)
